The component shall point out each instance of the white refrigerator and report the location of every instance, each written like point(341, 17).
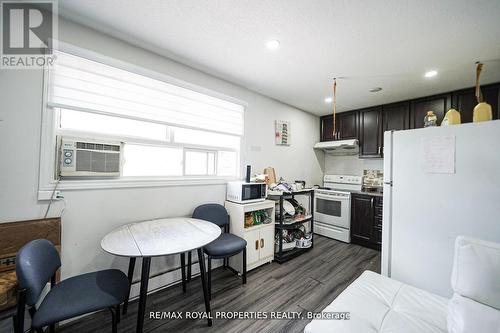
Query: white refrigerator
point(439, 183)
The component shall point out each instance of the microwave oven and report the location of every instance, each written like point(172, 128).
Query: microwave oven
point(242, 192)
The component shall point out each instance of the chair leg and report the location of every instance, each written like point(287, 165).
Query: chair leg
point(183, 271)
point(14, 324)
point(20, 311)
point(209, 272)
point(244, 275)
point(130, 275)
point(118, 317)
point(114, 322)
point(189, 267)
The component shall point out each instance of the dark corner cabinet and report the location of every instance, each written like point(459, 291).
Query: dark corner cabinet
point(369, 124)
point(366, 220)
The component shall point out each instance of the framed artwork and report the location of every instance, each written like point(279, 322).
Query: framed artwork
point(282, 133)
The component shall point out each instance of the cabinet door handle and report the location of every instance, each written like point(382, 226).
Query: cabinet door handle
point(261, 242)
point(379, 150)
point(257, 244)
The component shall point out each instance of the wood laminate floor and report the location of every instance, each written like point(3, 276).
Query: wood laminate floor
point(307, 283)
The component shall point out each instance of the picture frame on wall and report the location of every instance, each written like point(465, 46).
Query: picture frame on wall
point(282, 133)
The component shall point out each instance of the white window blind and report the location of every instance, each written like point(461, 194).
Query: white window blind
point(167, 130)
point(81, 84)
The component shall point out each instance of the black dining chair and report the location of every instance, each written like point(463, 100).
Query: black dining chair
point(37, 263)
point(225, 246)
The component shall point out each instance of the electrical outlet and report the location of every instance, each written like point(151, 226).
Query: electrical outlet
point(45, 195)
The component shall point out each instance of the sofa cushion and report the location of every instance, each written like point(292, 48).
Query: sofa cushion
point(476, 270)
point(380, 304)
point(468, 316)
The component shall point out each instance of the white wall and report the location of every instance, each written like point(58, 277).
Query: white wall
point(351, 165)
point(90, 214)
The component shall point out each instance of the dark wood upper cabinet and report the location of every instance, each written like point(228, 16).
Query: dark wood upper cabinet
point(419, 107)
point(368, 125)
point(465, 100)
point(326, 125)
point(370, 132)
point(396, 117)
point(346, 124)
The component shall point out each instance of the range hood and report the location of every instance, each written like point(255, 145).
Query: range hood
point(340, 147)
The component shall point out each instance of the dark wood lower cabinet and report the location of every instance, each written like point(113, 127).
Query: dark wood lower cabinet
point(366, 220)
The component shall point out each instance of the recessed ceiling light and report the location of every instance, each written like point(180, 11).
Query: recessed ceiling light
point(375, 89)
point(431, 73)
point(328, 100)
point(273, 44)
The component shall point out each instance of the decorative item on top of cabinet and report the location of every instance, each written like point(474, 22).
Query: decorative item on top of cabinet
point(370, 132)
point(465, 100)
point(430, 119)
point(452, 117)
point(482, 111)
point(439, 104)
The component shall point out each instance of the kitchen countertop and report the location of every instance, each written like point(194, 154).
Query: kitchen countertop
point(372, 193)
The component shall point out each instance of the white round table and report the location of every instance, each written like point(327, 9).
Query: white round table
point(156, 238)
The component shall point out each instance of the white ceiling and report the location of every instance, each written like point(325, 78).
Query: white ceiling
point(388, 44)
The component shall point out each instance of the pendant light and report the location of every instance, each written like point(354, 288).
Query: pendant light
point(335, 133)
point(482, 111)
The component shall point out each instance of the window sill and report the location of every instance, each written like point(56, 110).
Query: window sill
point(45, 192)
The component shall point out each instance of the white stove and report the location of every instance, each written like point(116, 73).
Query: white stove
point(332, 206)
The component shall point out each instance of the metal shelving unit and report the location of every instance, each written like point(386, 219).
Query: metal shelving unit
point(282, 223)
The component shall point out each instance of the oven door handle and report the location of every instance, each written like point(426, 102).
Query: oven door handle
point(330, 197)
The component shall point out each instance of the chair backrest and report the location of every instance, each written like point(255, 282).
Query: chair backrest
point(36, 263)
point(214, 213)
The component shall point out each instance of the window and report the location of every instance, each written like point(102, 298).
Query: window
point(167, 130)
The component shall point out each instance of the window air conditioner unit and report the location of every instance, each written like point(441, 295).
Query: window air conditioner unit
point(89, 158)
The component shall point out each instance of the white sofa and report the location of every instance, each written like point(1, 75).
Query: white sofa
point(379, 304)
